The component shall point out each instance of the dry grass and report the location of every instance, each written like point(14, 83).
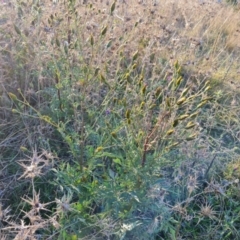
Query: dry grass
point(204, 36)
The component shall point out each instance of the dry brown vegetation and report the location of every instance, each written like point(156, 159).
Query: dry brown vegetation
point(64, 64)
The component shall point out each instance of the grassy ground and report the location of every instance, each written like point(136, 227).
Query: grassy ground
point(119, 120)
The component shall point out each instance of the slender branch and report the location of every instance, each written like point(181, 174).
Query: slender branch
point(205, 176)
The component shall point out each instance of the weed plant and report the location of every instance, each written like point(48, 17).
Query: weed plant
point(119, 120)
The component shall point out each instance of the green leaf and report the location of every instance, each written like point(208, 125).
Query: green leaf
point(118, 161)
point(107, 154)
point(172, 233)
point(112, 174)
point(17, 30)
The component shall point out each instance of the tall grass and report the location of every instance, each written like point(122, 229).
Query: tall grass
point(119, 120)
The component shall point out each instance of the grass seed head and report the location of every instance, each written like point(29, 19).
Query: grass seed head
point(181, 100)
point(104, 30)
point(190, 125)
point(182, 117)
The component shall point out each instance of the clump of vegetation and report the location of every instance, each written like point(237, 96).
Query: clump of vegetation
point(119, 121)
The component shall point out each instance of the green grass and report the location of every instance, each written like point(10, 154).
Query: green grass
point(119, 120)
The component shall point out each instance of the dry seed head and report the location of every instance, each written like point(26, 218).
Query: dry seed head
point(176, 64)
point(103, 79)
point(128, 113)
point(178, 81)
point(192, 184)
point(207, 211)
point(142, 105)
point(181, 210)
point(172, 145)
point(99, 149)
point(152, 106)
point(168, 101)
point(184, 116)
point(207, 88)
point(170, 84)
point(175, 122)
point(191, 137)
point(63, 205)
point(201, 104)
point(140, 81)
point(158, 91)
point(206, 83)
point(143, 90)
point(37, 163)
point(23, 149)
point(113, 7)
point(104, 30)
point(54, 222)
point(135, 56)
point(31, 171)
point(114, 135)
point(190, 125)
point(193, 115)
point(179, 71)
point(12, 96)
point(24, 231)
point(35, 203)
point(33, 217)
point(169, 132)
point(134, 66)
point(215, 187)
point(48, 155)
point(207, 98)
point(91, 40)
point(127, 77)
point(184, 92)
point(181, 100)
point(14, 110)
